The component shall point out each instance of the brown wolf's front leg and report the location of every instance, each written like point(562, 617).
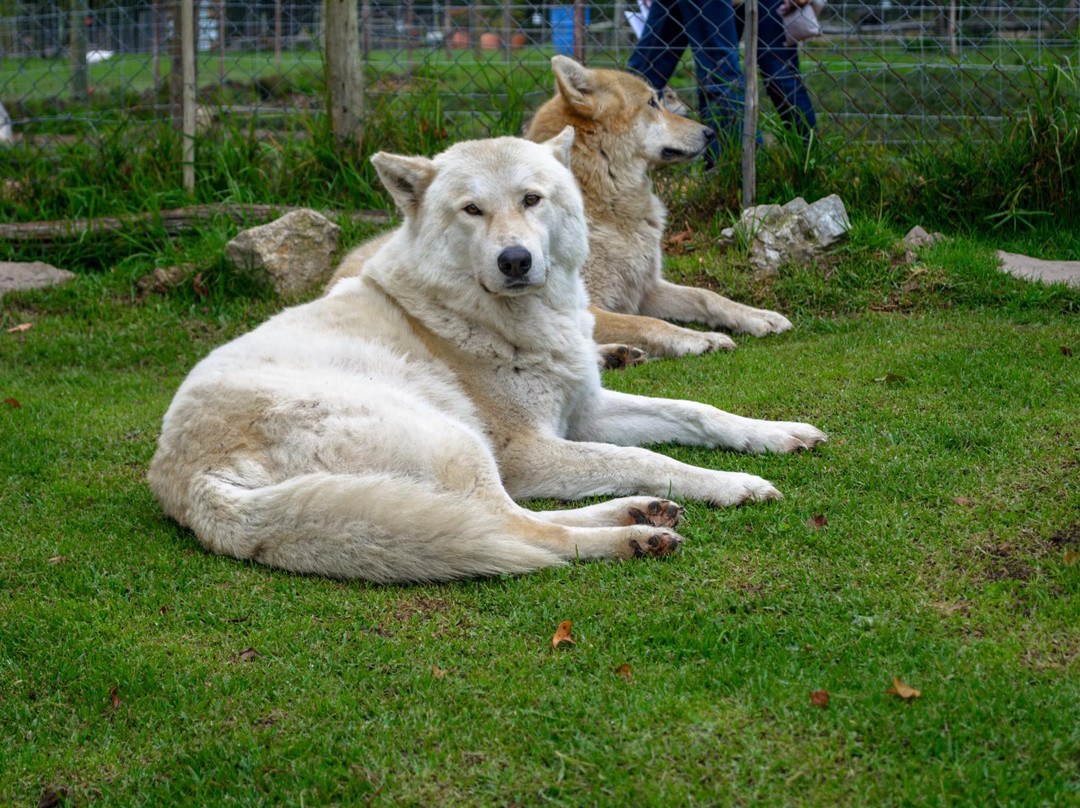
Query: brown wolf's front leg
point(689, 304)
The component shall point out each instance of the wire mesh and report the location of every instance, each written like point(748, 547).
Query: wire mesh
point(886, 71)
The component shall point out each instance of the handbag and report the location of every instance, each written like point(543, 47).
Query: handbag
point(801, 22)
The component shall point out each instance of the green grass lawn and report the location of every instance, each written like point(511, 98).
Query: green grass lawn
point(949, 485)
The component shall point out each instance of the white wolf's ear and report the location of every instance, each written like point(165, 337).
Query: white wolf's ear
point(575, 82)
point(406, 178)
point(561, 145)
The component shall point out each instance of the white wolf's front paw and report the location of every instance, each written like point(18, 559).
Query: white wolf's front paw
point(741, 489)
point(781, 437)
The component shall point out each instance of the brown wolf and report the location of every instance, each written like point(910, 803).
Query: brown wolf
point(623, 132)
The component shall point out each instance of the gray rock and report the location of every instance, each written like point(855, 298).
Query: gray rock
point(31, 275)
point(785, 234)
point(1035, 269)
point(294, 253)
point(917, 238)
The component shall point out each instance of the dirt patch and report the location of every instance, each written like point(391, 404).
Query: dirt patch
point(424, 607)
point(1068, 538)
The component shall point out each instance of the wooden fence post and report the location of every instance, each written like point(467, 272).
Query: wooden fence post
point(187, 46)
point(579, 31)
point(750, 111)
point(344, 71)
point(77, 26)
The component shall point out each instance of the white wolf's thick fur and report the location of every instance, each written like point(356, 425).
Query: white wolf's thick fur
point(382, 431)
point(623, 132)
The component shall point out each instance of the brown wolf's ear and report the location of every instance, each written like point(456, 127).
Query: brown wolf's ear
point(575, 82)
point(561, 145)
point(406, 178)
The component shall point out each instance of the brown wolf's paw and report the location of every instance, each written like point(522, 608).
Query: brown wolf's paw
point(658, 513)
point(662, 542)
point(616, 357)
point(699, 342)
point(760, 322)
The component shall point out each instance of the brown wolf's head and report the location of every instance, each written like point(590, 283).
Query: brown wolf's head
point(619, 115)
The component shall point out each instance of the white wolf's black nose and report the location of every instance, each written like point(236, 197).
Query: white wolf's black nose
point(515, 262)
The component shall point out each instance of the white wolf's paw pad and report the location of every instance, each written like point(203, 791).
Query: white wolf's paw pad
point(658, 513)
point(659, 543)
point(616, 357)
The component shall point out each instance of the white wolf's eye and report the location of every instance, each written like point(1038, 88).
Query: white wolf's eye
point(472, 210)
point(531, 199)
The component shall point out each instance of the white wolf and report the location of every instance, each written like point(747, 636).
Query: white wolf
point(382, 431)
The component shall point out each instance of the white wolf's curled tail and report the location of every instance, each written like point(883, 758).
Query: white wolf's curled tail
point(379, 527)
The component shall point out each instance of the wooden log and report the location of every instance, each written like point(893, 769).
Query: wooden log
point(171, 221)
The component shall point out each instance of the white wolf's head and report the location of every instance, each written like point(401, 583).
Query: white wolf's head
point(504, 213)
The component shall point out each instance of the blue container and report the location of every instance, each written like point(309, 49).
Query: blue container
point(562, 28)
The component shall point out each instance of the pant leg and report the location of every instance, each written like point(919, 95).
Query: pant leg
point(779, 66)
point(710, 31)
point(662, 43)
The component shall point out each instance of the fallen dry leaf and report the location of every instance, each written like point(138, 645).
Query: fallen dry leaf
point(963, 501)
point(114, 697)
point(20, 327)
point(891, 377)
point(817, 522)
point(57, 560)
point(681, 237)
point(562, 635)
point(439, 672)
point(12, 402)
point(199, 286)
point(248, 654)
point(902, 690)
point(1066, 350)
point(819, 698)
point(624, 671)
point(1071, 557)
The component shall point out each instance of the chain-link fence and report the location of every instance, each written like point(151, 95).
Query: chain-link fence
point(886, 71)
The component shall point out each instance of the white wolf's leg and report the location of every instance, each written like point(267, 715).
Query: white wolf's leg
point(689, 304)
point(536, 465)
point(627, 419)
point(394, 529)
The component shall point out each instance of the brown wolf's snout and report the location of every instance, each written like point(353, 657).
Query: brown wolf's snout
point(515, 262)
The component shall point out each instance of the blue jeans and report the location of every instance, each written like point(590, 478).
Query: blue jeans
point(712, 29)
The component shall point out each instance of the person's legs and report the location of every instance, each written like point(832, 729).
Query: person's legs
point(779, 66)
point(657, 53)
point(710, 30)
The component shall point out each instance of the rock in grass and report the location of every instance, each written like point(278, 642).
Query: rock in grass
point(294, 253)
point(788, 234)
point(30, 275)
point(918, 237)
